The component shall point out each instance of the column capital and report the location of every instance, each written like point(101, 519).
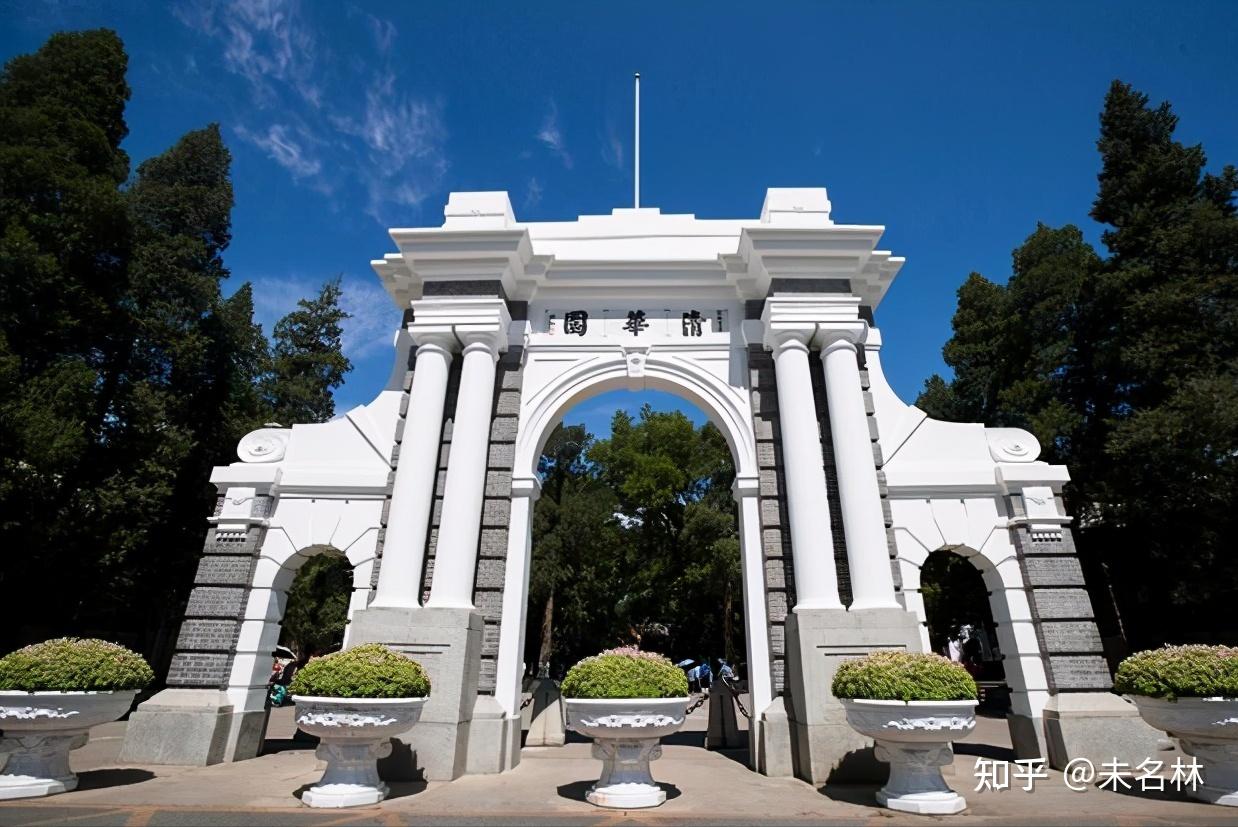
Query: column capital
point(745, 486)
point(530, 487)
point(457, 322)
point(847, 335)
point(799, 317)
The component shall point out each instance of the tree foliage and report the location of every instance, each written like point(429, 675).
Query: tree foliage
point(318, 606)
point(635, 536)
point(1126, 369)
point(125, 371)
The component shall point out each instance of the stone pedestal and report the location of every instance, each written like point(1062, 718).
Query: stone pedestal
point(1098, 726)
point(192, 727)
point(447, 642)
point(546, 718)
point(824, 746)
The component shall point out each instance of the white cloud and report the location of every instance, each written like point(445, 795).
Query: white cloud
point(552, 136)
point(369, 330)
point(283, 149)
point(612, 149)
point(390, 143)
point(533, 193)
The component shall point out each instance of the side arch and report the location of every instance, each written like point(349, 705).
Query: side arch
point(1016, 635)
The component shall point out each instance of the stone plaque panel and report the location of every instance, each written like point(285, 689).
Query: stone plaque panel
point(1053, 571)
point(1062, 604)
point(1080, 672)
point(209, 635)
point(1071, 636)
point(215, 601)
point(224, 571)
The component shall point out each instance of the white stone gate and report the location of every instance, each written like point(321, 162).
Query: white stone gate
point(767, 325)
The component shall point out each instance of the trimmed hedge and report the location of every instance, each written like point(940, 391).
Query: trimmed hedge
point(1176, 672)
point(625, 673)
point(72, 664)
point(903, 676)
point(369, 671)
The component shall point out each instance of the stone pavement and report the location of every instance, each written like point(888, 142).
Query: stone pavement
point(548, 787)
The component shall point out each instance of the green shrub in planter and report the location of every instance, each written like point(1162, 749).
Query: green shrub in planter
point(1180, 672)
point(72, 664)
point(625, 673)
point(903, 676)
point(369, 671)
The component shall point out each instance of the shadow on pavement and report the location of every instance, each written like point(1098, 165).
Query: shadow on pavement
point(865, 795)
point(114, 777)
point(577, 789)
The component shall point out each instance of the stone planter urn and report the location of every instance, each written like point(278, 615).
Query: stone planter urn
point(1206, 728)
point(626, 735)
point(353, 734)
point(39, 730)
point(914, 738)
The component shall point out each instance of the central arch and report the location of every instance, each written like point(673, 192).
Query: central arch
point(686, 374)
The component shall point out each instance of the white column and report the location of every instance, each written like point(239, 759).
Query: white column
point(525, 491)
point(868, 556)
point(455, 556)
point(756, 623)
point(812, 545)
point(412, 494)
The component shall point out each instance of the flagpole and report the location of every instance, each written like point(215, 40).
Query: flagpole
point(636, 145)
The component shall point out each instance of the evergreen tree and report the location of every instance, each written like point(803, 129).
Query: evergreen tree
point(308, 360)
point(1126, 370)
point(1169, 301)
point(64, 248)
point(317, 611)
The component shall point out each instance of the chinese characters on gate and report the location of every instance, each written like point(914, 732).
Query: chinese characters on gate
point(576, 323)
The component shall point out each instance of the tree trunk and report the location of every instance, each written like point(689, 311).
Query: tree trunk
point(728, 632)
point(543, 656)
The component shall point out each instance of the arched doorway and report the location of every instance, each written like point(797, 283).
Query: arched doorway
point(953, 587)
point(636, 543)
point(543, 408)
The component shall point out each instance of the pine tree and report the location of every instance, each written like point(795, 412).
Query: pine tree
point(1126, 370)
point(64, 249)
point(308, 360)
point(1169, 350)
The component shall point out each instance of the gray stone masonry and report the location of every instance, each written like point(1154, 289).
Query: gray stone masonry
point(825, 747)
point(447, 642)
point(1083, 719)
point(775, 531)
point(193, 722)
point(496, 512)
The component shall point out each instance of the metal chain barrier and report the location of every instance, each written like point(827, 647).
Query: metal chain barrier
point(704, 697)
point(735, 695)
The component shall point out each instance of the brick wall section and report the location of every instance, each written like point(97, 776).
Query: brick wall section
point(1070, 645)
point(440, 482)
point(772, 500)
point(496, 513)
point(207, 639)
point(831, 480)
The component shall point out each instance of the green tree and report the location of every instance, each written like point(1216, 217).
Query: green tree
point(574, 535)
point(1126, 370)
point(680, 552)
point(307, 360)
point(318, 606)
point(64, 247)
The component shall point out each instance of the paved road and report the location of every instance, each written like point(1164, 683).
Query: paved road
point(548, 788)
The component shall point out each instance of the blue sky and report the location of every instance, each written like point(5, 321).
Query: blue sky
point(956, 125)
